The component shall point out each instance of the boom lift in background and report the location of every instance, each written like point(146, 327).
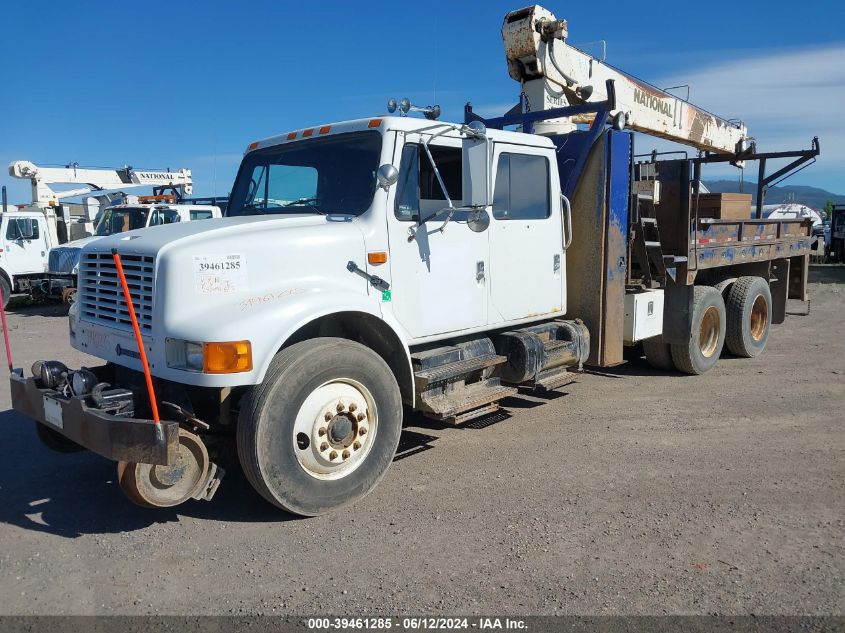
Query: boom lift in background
point(29, 231)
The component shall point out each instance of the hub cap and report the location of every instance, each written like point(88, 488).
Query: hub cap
point(711, 324)
point(334, 429)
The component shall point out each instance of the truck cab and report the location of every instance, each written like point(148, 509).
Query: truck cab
point(27, 235)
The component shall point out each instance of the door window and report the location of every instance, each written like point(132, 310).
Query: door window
point(418, 187)
point(201, 214)
point(522, 187)
point(22, 228)
point(164, 216)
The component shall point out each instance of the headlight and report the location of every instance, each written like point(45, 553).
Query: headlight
point(51, 372)
point(184, 354)
point(227, 357)
point(82, 382)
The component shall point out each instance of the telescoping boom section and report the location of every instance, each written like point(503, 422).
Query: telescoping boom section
point(555, 74)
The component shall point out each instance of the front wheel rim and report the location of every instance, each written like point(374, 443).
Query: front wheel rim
point(708, 339)
point(335, 429)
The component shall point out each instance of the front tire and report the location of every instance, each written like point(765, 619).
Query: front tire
point(749, 308)
point(707, 334)
point(322, 429)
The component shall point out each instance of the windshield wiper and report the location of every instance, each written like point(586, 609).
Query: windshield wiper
point(251, 209)
point(300, 201)
point(305, 202)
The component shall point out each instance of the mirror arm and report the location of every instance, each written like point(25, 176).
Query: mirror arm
point(437, 173)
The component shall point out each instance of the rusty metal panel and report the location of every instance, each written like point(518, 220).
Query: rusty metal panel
point(584, 257)
point(597, 258)
point(114, 437)
point(799, 267)
point(779, 287)
point(615, 266)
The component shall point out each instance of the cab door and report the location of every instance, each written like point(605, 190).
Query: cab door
point(24, 244)
point(527, 261)
point(439, 276)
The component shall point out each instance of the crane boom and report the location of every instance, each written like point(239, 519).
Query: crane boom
point(95, 179)
point(555, 74)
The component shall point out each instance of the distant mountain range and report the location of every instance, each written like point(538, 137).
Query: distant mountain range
point(813, 197)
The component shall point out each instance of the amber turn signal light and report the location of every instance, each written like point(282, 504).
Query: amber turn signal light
point(227, 358)
point(377, 257)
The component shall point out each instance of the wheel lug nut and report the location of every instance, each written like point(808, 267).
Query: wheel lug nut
point(328, 416)
point(362, 432)
point(361, 416)
point(322, 431)
point(324, 446)
point(356, 445)
point(339, 407)
point(333, 455)
point(353, 406)
point(345, 454)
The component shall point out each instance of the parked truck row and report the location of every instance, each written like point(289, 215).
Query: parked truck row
point(371, 267)
point(42, 240)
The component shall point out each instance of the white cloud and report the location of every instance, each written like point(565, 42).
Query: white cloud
point(785, 98)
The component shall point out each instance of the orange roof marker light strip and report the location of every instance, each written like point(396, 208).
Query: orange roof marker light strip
point(291, 136)
point(374, 123)
point(308, 132)
point(325, 129)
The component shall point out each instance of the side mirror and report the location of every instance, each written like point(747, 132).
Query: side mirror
point(476, 158)
point(387, 175)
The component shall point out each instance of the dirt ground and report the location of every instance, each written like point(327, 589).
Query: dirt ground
point(630, 492)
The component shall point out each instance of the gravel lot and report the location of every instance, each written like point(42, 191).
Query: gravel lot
point(630, 492)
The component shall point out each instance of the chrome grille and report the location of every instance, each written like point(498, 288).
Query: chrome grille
point(101, 296)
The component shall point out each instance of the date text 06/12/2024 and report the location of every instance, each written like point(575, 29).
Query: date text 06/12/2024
point(415, 623)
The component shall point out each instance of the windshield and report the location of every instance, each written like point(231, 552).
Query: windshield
point(120, 220)
point(335, 174)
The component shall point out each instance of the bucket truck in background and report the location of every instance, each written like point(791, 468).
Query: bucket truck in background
point(28, 232)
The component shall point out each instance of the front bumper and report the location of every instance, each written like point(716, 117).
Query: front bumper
point(114, 437)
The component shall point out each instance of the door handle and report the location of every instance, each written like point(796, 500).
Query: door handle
point(479, 271)
point(568, 218)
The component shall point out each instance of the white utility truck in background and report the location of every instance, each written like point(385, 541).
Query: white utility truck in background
point(30, 231)
point(393, 263)
point(136, 213)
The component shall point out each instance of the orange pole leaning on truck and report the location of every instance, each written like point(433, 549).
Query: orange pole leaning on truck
point(139, 340)
point(5, 331)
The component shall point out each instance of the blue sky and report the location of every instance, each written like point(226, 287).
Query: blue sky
point(191, 84)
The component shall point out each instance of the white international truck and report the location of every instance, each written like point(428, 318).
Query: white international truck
point(387, 264)
point(29, 231)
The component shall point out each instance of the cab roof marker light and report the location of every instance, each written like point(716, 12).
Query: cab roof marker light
point(308, 132)
point(374, 123)
point(291, 136)
point(325, 129)
point(252, 146)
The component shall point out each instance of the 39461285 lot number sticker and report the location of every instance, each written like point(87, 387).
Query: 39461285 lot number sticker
point(220, 274)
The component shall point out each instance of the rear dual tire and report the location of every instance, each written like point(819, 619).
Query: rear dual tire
point(707, 333)
point(749, 313)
